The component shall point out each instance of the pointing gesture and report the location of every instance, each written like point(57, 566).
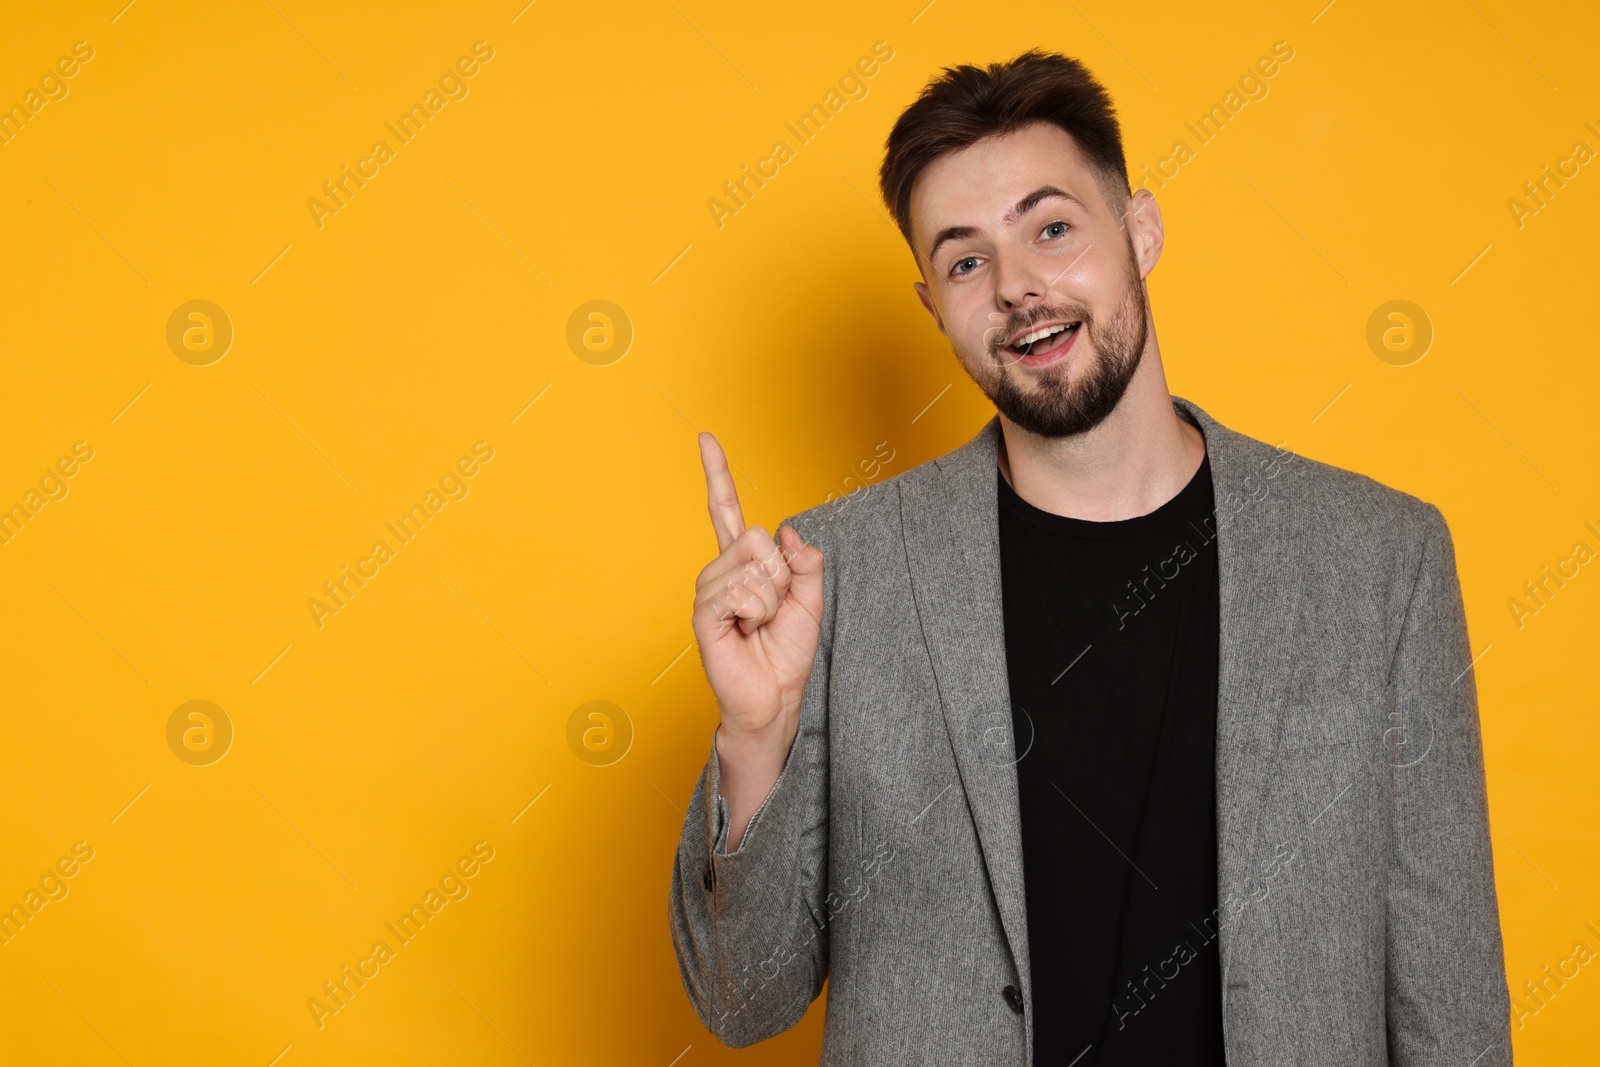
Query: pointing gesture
point(757, 619)
point(727, 518)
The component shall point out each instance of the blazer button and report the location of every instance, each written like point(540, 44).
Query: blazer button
point(1013, 997)
point(708, 880)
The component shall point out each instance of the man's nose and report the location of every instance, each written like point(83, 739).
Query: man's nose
point(1018, 280)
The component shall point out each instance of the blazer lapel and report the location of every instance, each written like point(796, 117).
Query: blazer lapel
point(1249, 650)
point(953, 547)
point(951, 528)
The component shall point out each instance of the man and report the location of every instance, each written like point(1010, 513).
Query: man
point(1113, 736)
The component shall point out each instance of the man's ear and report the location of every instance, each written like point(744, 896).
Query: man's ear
point(1146, 233)
point(927, 302)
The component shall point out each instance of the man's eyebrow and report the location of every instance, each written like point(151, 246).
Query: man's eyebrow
point(1022, 207)
point(951, 233)
point(1033, 199)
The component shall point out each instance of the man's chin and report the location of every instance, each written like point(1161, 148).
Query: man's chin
point(1046, 403)
point(1052, 426)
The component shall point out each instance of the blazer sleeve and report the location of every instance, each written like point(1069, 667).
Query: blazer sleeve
point(1447, 1000)
point(750, 926)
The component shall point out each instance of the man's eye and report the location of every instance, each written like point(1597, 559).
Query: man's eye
point(956, 268)
point(1059, 228)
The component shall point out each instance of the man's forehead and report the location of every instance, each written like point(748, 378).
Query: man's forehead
point(977, 185)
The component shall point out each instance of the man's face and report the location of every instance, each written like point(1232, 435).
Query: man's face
point(1014, 237)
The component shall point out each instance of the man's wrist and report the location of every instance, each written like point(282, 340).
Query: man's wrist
point(750, 756)
point(750, 764)
point(741, 743)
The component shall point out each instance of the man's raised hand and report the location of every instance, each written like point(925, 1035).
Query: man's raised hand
point(757, 618)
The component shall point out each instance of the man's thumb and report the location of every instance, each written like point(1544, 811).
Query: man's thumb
point(805, 569)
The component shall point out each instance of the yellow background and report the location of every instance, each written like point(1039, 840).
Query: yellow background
point(431, 310)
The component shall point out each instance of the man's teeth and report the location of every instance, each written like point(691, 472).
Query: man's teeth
point(1039, 335)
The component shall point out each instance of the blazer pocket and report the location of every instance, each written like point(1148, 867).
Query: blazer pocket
point(1311, 723)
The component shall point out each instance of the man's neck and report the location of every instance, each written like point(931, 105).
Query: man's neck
point(1138, 458)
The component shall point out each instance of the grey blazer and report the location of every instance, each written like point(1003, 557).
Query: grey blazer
point(1358, 923)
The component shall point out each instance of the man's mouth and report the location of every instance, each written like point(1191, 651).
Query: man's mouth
point(1043, 340)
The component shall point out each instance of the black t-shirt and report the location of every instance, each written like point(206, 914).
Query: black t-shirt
point(1111, 647)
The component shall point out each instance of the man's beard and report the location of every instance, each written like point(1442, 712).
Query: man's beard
point(1055, 408)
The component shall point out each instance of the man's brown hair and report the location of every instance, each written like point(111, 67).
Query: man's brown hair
point(966, 104)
